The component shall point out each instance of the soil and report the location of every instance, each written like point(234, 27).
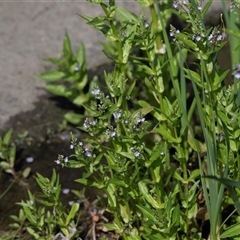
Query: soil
point(45, 140)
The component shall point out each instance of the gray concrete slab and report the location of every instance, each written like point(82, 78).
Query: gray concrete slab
point(33, 30)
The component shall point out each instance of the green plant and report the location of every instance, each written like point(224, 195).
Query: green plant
point(7, 162)
point(71, 77)
point(143, 150)
point(7, 153)
point(43, 214)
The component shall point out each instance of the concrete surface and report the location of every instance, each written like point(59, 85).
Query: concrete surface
point(33, 30)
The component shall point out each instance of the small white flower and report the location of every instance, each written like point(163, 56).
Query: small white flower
point(80, 144)
point(66, 191)
point(175, 4)
point(93, 122)
point(146, 25)
point(113, 134)
point(88, 154)
point(29, 159)
point(162, 50)
point(71, 146)
point(76, 69)
point(66, 159)
point(198, 38)
point(237, 75)
point(140, 120)
point(58, 161)
point(219, 38)
point(210, 37)
point(236, 72)
point(162, 153)
point(70, 203)
point(117, 115)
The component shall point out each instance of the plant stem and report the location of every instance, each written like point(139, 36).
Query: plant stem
point(155, 26)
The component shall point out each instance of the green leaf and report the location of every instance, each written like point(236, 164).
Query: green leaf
point(148, 213)
point(196, 145)
point(237, 49)
point(156, 152)
point(134, 235)
point(195, 173)
point(111, 195)
point(219, 77)
point(189, 43)
point(81, 56)
point(147, 195)
point(64, 231)
point(52, 76)
point(231, 231)
point(118, 182)
point(129, 91)
point(45, 203)
point(234, 32)
point(146, 105)
point(33, 233)
point(73, 118)
point(7, 137)
point(12, 155)
point(59, 90)
point(67, 49)
point(81, 99)
point(230, 184)
point(72, 213)
point(125, 213)
point(127, 155)
point(55, 61)
point(167, 135)
point(192, 75)
point(125, 16)
point(206, 7)
point(54, 177)
point(145, 3)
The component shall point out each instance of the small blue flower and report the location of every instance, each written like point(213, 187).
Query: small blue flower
point(117, 115)
point(140, 119)
point(236, 72)
point(96, 91)
point(88, 154)
point(175, 4)
point(197, 38)
point(136, 153)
